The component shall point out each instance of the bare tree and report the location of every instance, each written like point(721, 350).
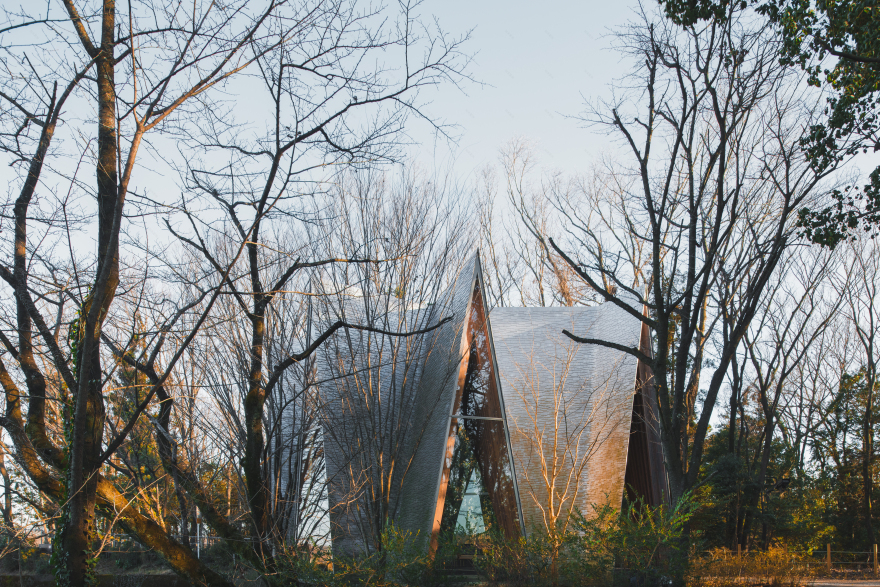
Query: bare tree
point(712, 192)
point(502, 268)
point(185, 56)
point(793, 317)
point(561, 421)
point(148, 71)
point(859, 288)
point(373, 414)
point(291, 459)
point(814, 384)
point(521, 267)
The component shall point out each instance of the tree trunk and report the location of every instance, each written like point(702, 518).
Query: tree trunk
point(867, 457)
point(254, 405)
point(78, 530)
point(7, 488)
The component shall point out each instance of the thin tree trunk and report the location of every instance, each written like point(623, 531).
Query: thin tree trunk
point(867, 457)
point(7, 488)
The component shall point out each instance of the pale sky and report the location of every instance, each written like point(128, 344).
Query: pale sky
point(538, 61)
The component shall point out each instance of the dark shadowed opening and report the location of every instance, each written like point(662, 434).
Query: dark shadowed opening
point(638, 465)
point(645, 475)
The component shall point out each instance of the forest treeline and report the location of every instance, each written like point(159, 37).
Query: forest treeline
point(201, 197)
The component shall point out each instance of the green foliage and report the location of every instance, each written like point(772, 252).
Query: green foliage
point(24, 557)
point(733, 500)
point(638, 541)
point(837, 44)
point(736, 507)
point(59, 554)
point(524, 561)
point(823, 500)
point(840, 452)
point(125, 563)
point(403, 559)
point(690, 12)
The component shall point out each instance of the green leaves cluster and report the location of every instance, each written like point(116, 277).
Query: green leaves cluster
point(846, 33)
point(636, 543)
point(837, 45)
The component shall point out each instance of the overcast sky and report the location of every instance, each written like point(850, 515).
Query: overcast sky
point(537, 62)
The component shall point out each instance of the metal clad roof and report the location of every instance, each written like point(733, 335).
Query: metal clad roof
point(568, 405)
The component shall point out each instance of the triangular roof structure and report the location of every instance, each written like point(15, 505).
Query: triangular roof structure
point(471, 402)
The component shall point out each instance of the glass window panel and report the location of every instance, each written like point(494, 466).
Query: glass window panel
point(479, 396)
point(480, 492)
point(479, 471)
point(470, 515)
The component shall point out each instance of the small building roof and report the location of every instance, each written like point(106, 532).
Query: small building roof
point(547, 385)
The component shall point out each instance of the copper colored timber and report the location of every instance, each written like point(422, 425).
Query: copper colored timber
point(444, 483)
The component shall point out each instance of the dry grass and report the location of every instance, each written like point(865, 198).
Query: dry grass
point(777, 567)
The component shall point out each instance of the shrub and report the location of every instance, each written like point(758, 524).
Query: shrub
point(638, 544)
point(524, 561)
point(402, 560)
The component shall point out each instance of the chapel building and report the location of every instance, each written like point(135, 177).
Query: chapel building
point(488, 420)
